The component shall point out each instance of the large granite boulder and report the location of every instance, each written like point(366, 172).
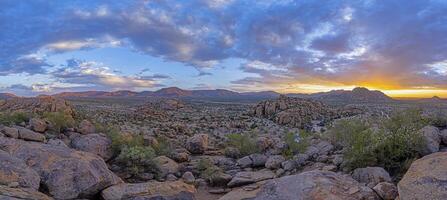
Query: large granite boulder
point(150, 191)
point(86, 127)
point(94, 143)
point(426, 179)
point(8, 193)
point(10, 132)
point(387, 191)
point(371, 175)
point(38, 125)
point(166, 165)
point(197, 144)
point(30, 135)
point(64, 172)
point(432, 139)
point(14, 170)
point(312, 185)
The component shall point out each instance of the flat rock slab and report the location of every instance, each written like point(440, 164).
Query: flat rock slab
point(313, 185)
point(176, 190)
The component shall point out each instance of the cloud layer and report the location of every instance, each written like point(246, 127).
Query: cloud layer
point(287, 45)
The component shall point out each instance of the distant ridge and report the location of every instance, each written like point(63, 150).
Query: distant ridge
point(7, 96)
point(172, 92)
point(358, 94)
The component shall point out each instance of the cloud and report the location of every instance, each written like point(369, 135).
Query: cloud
point(98, 76)
point(388, 44)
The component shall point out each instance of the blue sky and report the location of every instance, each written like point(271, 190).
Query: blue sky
point(288, 46)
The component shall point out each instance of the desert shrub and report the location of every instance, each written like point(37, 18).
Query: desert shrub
point(245, 143)
point(14, 118)
point(163, 147)
point(123, 140)
point(137, 159)
point(390, 144)
point(207, 169)
point(341, 133)
point(438, 119)
point(296, 143)
point(399, 142)
point(59, 120)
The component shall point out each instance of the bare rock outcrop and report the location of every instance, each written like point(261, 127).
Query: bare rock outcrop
point(312, 185)
point(150, 191)
point(426, 179)
point(14, 170)
point(38, 105)
point(296, 112)
point(94, 143)
point(64, 172)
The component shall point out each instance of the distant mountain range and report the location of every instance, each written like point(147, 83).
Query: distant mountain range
point(7, 95)
point(172, 92)
point(358, 94)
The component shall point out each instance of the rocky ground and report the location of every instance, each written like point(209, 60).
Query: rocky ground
point(194, 155)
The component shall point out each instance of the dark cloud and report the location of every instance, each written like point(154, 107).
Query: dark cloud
point(392, 43)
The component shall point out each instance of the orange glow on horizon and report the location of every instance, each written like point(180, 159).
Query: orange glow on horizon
point(400, 93)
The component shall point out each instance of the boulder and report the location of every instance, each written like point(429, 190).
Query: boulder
point(188, 177)
point(288, 165)
point(432, 138)
point(7, 193)
point(425, 179)
point(94, 143)
point(245, 162)
point(258, 159)
point(244, 178)
point(38, 125)
point(219, 179)
point(166, 165)
point(197, 144)
point(371, 175)
point(11, 132)
point(86, 127)
point(300, 159)
point(315, 185)
point(15, 170)
point(30, 135)
point(274, 162)
point(387, 191)
point(443, 135)
point(150, 191)
point(324, 147)
point(64, 172)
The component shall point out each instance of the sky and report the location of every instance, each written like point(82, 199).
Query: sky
point(302, 46)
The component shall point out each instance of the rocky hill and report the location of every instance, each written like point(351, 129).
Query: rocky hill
point(298, 112)
point(38, 105)
point(7, 96)
point(358, 94)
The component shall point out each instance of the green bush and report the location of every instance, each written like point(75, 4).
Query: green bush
point(121, 140)
point(341, 133)
point(296, 143)
point(137, 159)
point(391, 143)
point(245, 143)
point(438, 119)
point(59, 120)
point(208, 170)
point(163, 147)
point(14, 118)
